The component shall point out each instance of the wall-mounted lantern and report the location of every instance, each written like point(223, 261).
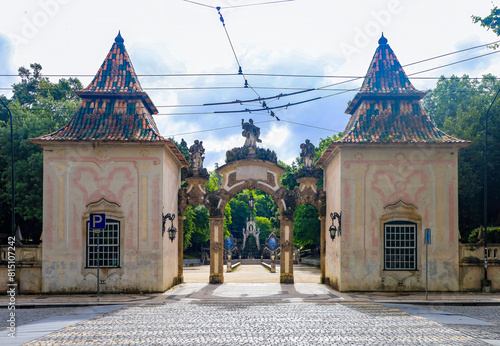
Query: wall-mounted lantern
point(334, 230)
point(171, 230)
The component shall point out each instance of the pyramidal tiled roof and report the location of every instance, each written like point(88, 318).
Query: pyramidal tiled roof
point(385, 78)
point(387, 108)
point(117, 77)
point(114, 107)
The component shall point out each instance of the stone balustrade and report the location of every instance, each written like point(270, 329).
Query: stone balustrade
point(28, 262)
point(472, 266)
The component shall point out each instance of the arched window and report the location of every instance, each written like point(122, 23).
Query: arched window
point(109, 245)
point(400, 245)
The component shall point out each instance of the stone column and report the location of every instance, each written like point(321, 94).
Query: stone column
point(180, 249)
point(229, 268)
point(216, 250)
point(286, 235)
point(323, 247)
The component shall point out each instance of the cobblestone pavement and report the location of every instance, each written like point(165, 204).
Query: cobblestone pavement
point(234, 313)
point(259, 323)
point(24, 316)
point(489, 314)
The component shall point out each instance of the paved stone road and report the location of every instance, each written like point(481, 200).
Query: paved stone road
point(259, 324)
point(254, 318)
point(236, 313)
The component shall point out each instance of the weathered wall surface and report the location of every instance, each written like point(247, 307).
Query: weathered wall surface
point(373, 180)
point(332, 186)
point(171, 181)
point(28, 268)
point(472, 266)
point(127, 183)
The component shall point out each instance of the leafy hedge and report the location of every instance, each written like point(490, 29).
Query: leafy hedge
point(493, 235)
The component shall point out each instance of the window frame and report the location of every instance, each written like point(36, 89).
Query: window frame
point(102, 246)
point(401, 223)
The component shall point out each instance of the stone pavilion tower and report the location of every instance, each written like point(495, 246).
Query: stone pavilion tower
point(110, 158)
point(391, 175)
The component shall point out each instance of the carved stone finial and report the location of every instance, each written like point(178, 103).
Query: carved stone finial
point(251, 133)
point(307, 153)
point(196, 155)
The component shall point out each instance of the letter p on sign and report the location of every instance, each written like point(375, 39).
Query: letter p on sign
point(98, 221)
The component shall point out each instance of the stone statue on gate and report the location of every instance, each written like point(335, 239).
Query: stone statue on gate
point(196, 155)
point(251, 133)
point(307, 153)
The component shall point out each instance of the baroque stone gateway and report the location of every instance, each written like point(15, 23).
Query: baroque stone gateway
point(392, 175)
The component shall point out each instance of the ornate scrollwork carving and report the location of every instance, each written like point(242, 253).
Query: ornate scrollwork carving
point(270, 179)
point(231, 179)
point(286, 246)
point(290, 198)
point(216, 247)
point(212, 201)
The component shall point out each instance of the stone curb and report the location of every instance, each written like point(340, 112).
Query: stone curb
point(433, 303)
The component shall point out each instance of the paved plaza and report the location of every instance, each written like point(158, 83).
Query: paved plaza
point(264, 313)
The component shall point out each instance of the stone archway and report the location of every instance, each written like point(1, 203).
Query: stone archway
point(250, 167)
point(251, 174)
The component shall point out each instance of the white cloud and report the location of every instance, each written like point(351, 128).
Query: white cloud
point(299, 37)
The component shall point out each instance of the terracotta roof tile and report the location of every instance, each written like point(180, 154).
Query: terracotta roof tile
point(387, 109)
point(385, 78)
point(117, 77)
point(114, 108)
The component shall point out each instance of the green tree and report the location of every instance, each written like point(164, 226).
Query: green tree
point(288, 178)
point(34, 86)
point(196, 227)
point(306, 226)
point(266, 207)
point(492, 21)
point(458, 107)
point(214, 181)
point(265, 210)
point(240, 211)
point(324, 143)
point(38, 107)
point(183, 148)
point(265, 227)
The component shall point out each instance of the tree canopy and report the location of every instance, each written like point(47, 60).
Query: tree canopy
point(38, 107)
point(458, 106)
point(492, 21)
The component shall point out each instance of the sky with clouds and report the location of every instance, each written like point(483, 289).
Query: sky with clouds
point(328, 41)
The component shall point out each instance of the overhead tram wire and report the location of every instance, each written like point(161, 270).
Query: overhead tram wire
point(454, 63)
point(312, 89)
point(258, 4)
point(328, 86)
point(307, 90)
point(348, 81)
point(259, 99)
point(240, 70)
point(255, 122)
point(285, 106)
point(237, 6)
point(263, 103)
point(215, 129)
point(267, 74)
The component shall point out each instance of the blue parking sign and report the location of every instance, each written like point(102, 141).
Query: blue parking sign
point(427, 238)
point(98, 221)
